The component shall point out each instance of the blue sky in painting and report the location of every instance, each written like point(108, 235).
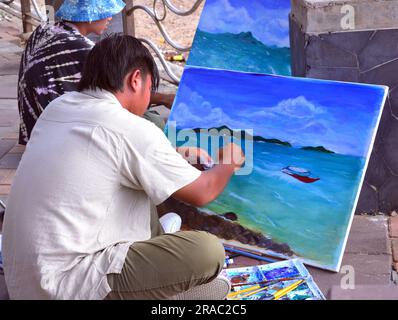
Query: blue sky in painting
point(304, 112)
point(266, 19)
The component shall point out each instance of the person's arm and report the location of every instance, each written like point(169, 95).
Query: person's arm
point(162, 99)
point(212, 183)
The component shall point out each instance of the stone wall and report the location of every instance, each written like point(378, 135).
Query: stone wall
point(367, 56)
point(324, 16)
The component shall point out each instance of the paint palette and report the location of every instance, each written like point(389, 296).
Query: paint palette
point(242, 276)
point(273, 278)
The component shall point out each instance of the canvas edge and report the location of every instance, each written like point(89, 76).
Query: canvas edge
point(196, 35)
point(303, 79)
point(273, 254)
point(386, 93)
point(172, 110)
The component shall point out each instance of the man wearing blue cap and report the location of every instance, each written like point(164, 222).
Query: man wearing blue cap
point(55, 55)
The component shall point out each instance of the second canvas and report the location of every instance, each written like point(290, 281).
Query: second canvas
point(241, 35)
point(307, 145)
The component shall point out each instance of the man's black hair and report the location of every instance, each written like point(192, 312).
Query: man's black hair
point(112, 59)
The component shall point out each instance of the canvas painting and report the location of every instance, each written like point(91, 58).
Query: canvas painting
point(241, 35)
point(307, 144)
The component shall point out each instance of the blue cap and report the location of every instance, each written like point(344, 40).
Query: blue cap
point(89, 10)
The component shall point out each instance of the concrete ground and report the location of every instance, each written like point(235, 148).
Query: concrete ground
point(366, 271)
point(372, 247)
point(9, 119)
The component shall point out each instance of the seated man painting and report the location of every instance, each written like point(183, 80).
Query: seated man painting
point(83, 224)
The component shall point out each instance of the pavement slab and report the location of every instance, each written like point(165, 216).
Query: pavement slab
point(12, 136)
point(5, 190)
point(11, 30)
point(360, 269)
point(7, 176)
point(8, 104)
point(11, 67)
point(7, 47)
point(6, 131)
point(10, 161)
point(8, 88)
point(5, 146)
point(394, 245)
point(359, 240)
point(8, 118)
point(3, 288)
point(365, 293)
point(367, 259)
point(18, 149)
point(393, 224)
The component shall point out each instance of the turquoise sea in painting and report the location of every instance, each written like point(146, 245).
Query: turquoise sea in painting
point(244, 53)
point(248, 36)
point(308, 158)
point(311, 217)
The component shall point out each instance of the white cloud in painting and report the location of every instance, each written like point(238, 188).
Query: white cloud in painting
point(316, 128)
point(200, 116)
point(185, 116)
point(196, 112)
point(298, 107)
point(273, 31)
point(223, 16)
point(270, 26)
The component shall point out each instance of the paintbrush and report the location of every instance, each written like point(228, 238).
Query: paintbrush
point(256, 252)
point(265, 282)
point(248, 291)
point(288, 289)
point(254, 292)
point(249, 254)
point(277, 295)
point(259, 285)
point(240, 292)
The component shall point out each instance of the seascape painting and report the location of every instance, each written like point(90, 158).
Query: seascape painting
point(241, 35)
point(311, 142)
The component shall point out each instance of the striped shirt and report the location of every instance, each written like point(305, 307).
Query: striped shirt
point(50, 66)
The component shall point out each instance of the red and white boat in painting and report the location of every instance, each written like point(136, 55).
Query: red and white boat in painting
point(300, 174)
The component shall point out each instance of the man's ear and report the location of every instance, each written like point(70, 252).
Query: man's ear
point(135, 80)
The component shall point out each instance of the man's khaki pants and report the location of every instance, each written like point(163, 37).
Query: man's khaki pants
point(167, 264)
